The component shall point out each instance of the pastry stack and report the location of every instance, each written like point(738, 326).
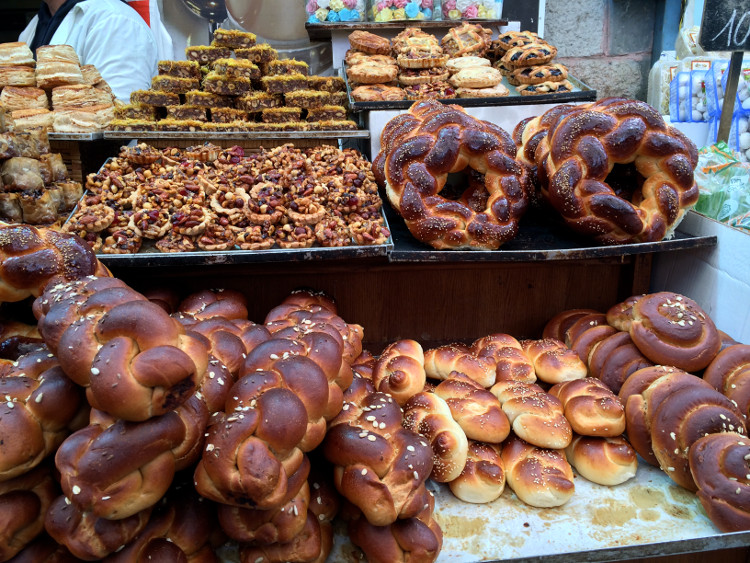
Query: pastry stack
point(34, 184)
point(420, 57)
point(371, 70)
point(474, 77)
point(81, 101)
point(526, 59)
point(235, 85)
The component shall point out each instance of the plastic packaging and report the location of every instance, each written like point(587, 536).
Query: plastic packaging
point(472, 9)
point(659, 79)
point(333, 11)
point(739, 134)
point(403, 10)
point(687, 98)
point(686, 44)
point(724, 183)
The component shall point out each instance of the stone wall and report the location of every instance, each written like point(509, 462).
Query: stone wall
point(605, 43)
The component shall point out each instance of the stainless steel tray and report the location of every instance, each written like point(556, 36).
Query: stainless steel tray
point(211, 135)
point(57, 136)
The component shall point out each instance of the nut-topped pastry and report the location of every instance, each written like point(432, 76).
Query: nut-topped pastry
point(259, 54)
point(185, 111)
point(208, 100)
point(281, 84)
point(307, 99)
point(205, 54)
point(222, 84)
point(287, 66)
point(135, 111)
point(326, 83)
point(281, 115)
point(326, 113)
point(174, 84)
point(258, 101)
point(436, 90)
point(154, 98)
point(237, 68)
point(180, 69)
point(227, 115)
point(233, 38)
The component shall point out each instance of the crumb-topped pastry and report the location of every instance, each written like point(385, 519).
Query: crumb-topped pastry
point(184, 111)
point(154, 98)
point(281, 84)
point(307, 99)
point(237, 68)
point(281, 115)
point(326, 83)
point(287, 66)
point(233, 38)
point(208, 100)
point(259, 54)
point(135, 111)
point(326, 113)
point(180, 69)
point(227, 115)
point(174, 84)
point(222, 84)
point(255, 102)
point(205, 54)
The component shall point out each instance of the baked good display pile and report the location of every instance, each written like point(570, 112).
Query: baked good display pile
point(54, 92)
point(236, 84)
point(146, 425)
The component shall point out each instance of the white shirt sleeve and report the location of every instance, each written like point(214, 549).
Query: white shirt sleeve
point(123, 52)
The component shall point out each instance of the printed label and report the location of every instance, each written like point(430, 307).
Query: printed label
point(700, 65)
point(672, 72)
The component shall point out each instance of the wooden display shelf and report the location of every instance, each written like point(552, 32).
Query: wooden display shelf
point(322, 31)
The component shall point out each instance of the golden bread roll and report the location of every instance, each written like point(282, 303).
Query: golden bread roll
point(535, 416)
point(614, 358)
point(400, 370)
point(34, 119)
point(621, 315)
point(584, 342)
point(646, 389)
point(17, 76)
point(440, 362)
point(581, 325)
point(682, 418)
point(429, 416)
point(672, 329)
point(24, 501)
point(606, 461)
point(557, 325)
point(511, 364)
point(477, 411)
point(16, 53)
point(19, 97)
point(380, 465)
point(553, 361)
point(590, 407)
point(719, 466)
point(483, 477)
point(729, 373)
point(540, 477)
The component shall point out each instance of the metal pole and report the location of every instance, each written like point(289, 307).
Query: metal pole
point(730, 95)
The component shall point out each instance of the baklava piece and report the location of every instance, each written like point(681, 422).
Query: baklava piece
point(307, 99)
point(237, 68)
point(178, 125)
point(288, 66)
point(281, 84)
point(154, 98)
point(206, 54)
point(342, 99)
point(227, 115)
point(180, 69)
point(233, 38)
point(223, 85)
point(326, 83)
point(256, 102)
point(132, 125)
point(208, 100)
point(186, 112)
point(174, 84)
point(327, 113)
point(223, 126)
point(135, 111)
point(333, 125)
point(259, 54)
point(281, 115)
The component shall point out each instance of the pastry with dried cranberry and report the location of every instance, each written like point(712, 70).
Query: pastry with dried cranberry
point(175, 242)
point(367, 231)
point(255, 237)
point(151, 223)
point(333, 231)
point(216, 237)
point(410, 76)
point(190, 220)
point(124, 241)
point(435, 90)
point(90, 218)
point(294, 236)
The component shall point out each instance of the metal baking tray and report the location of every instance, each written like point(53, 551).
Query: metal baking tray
point(252, 135)
point(541, 237)
point(58, 136)
point(647, 516)
point(583, 94)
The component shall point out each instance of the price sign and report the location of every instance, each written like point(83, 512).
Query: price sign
point(725, 25)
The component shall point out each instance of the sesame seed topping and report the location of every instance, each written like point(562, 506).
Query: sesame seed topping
point(38, 398)
point(371, 437)
point(76, 490)
point(94, 371)
point(364, 472)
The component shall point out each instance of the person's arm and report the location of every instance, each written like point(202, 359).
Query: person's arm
point(123, 52)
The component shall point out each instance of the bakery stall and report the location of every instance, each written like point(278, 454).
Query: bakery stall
point(394, 286)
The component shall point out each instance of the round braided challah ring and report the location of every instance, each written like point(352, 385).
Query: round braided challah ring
point(446, 140)
point(583, 170)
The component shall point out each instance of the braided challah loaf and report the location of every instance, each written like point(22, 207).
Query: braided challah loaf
point(381, 466)
point(590, 407)
point(41, 407)
point(32, 258)
point(553, 361)
point(135, 360)
point(483, 477)
point(511, 364)
point(604, 460)
point(443, 140)
point(400, 370)
point(440, 363)
point(575, 161)
point(729, 373)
